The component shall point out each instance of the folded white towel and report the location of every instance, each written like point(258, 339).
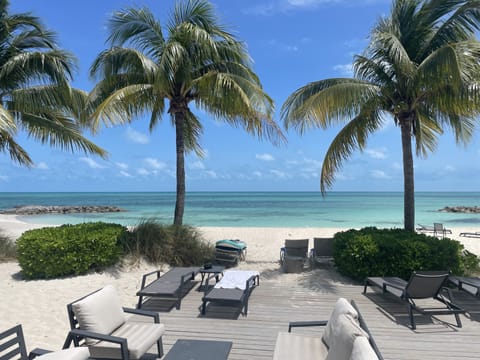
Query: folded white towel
point(235, 279)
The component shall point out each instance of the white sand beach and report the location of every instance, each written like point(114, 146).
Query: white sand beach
point(40, 305)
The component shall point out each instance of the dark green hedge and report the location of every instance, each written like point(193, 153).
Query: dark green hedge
point(69, 249)
point(396, 252)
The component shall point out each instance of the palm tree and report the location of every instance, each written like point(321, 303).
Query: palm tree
point(35, 95)
point(421, 68)
point(197, 61)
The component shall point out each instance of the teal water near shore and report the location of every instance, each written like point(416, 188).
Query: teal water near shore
point(256, 209)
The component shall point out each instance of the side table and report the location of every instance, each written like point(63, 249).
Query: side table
point(199, 350)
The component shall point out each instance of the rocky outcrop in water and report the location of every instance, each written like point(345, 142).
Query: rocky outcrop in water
point(40, 209)
point(461, 209)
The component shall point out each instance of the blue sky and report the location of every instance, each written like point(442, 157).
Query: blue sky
point(292, 42)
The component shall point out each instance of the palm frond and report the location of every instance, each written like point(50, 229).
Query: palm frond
point(325, 102)
point(139, 28)
point(351, 137)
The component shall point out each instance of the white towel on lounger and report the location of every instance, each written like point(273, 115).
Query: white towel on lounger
point(235, 279)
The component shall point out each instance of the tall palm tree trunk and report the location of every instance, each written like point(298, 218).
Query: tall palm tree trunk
point(408, 175)
point(180, 146)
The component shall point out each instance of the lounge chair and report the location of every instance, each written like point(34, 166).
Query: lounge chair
point(439, 229)
point(98, 321)
point(472, 284)
point(475, 234)
point(229, 252)
point(422, 285)
point(322, 251)
point(234, 288)
point(294, 255)
point(12, 346)
point(171, 285)
point(425, 228)
point(345, 336)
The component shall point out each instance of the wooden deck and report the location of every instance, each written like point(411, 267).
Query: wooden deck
point(311, 297)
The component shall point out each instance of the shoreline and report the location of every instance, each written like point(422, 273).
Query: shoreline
point(263, 243)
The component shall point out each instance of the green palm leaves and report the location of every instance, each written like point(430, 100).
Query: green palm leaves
point(421, 69)
point(194, 60)
point(35, 95)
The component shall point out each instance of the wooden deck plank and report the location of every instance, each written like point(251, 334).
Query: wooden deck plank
point(311, 296)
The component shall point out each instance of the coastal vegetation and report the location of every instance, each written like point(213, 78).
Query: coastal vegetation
point(193, 62)
point(175, 245)
point(8, 248)
point(36, 96)
point(53, 252)
point(420, 69)
point(397, 252)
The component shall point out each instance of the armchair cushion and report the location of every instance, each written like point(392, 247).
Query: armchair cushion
point(342, 306)
point(299, 346)
point(362, 350)
point(100, 312)
point(77, 353)
point(344, 335)
point(140, 337)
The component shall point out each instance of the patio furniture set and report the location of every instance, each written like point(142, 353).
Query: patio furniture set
point(100, 328)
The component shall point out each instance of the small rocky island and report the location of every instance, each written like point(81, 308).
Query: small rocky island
point(40, 209)
point(461, 209)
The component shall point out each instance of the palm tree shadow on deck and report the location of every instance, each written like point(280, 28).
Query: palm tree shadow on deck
point(324, 279)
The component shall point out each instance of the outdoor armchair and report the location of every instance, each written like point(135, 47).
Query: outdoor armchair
point(99, 321)
point(12, 346)
point(294, 255)
point(322, 251)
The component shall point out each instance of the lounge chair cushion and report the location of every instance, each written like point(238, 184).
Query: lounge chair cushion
point(140, 337)
point(344, 334)
point(299, 346)
point(100, 312)
point(77, 353)
point(235, 279)
point(362, 350)
point(342, 306)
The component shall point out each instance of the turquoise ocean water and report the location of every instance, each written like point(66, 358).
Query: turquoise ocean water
point(257, 209)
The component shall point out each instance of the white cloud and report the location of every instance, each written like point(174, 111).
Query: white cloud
point(143, 171)
point(450, 168)
point(283, 46)
point(280, 174)
point(344, 69)
point(211, 174)
point(91, 163)
point(377, 153)
point(197, 165)
point(3, 177)
point(122, 166)
point(125, 174)
point(41, 166)
point(137, 137)
point(265, 157)
point(379, 174)
point(154, 163)
point(257, 174)
point(260, 9)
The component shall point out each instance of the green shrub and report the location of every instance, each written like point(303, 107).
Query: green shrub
point(169, 244)
point(69, 249)
point(8, 249)
point(396, 252)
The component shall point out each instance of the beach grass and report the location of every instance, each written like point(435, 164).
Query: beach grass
point(8, 249)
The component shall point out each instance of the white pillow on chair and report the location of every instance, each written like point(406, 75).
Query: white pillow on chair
point(342, 306)
point(100, 312)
